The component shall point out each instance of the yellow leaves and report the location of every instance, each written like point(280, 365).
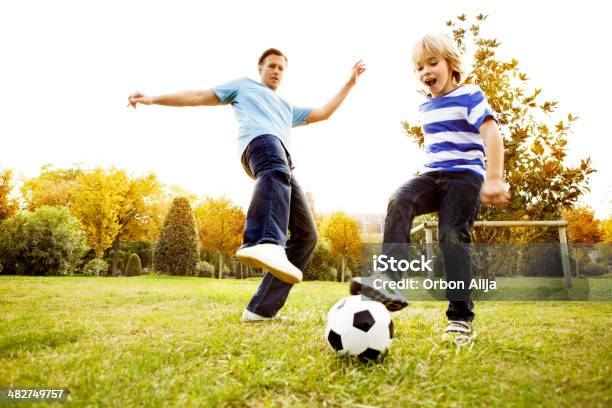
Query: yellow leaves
point(537, 148)
point(109, 202)
point(220, 225)
point(606, 227)
point(583, 227)
point(96, 205)
point(548, 107)
point(8, 204)
point(343, 233)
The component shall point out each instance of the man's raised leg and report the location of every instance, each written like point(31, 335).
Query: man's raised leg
point(273, 292)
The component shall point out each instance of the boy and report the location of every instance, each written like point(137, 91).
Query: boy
point(460, 129)
point(278, 203)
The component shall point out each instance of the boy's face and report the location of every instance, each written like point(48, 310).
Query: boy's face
point(271, 70)
point(435, 74)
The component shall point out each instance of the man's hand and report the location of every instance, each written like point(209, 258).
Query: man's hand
point(494, 193)
point(358, 69)
point(137, 98)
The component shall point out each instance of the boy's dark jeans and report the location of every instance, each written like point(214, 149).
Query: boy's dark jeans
point(278, 204)
point(456, 198)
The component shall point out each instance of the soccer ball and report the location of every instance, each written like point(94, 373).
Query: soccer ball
point(360, 327)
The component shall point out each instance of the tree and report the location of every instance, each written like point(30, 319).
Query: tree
point(176, 249)
point(583, 228)
point(138, 213)
point(52, 187)
point(541, 183)
point(8, 205)
point(342, 232)
point(112, 206)
point(47, 241)
point(97, 204)
point(220, 226)
point(606, 227)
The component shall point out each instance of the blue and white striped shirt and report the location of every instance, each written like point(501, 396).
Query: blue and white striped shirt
point(451, 125)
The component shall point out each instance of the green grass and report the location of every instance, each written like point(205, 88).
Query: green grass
point(164, 341)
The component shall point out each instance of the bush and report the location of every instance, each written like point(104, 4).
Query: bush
point(176, 249)
point(45, 242)
point(593, 269)
point(1, 267)
point(331, 274)
point(143, 249)
point(134, 268)
point(206, 269)
point(95, 267)
point(321, 262)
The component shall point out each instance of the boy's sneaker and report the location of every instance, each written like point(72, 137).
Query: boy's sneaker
point(458, 332)
point(393, 299)
point(250, 317)
point(273, 258)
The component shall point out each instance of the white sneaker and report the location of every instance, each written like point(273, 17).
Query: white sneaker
point(273, 258)
point(250, 317)
point(458, 332)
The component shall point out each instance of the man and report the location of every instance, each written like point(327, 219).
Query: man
point(278, 203)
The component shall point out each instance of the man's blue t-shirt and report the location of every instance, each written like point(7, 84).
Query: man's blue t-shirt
point(260, 111)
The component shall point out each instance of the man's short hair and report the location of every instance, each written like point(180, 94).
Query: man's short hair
point(271, 51)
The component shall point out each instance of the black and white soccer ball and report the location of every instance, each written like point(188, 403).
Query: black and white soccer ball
point(360, 327)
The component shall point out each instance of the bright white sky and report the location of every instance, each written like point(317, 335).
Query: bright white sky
point(68, 67)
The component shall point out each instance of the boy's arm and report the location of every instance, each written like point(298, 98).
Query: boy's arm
point(493, 190)
point(186, 98)
point(324, 112)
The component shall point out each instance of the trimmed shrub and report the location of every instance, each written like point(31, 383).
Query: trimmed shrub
point(176, 249)
point(134, 268)
point(206, 269)
point(46, 242)
point(95, 267)
point(143, 249)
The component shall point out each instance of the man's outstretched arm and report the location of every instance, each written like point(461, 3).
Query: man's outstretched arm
point(334, 103)
point(186, 98)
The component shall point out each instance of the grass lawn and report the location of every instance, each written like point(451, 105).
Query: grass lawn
point(168, 341)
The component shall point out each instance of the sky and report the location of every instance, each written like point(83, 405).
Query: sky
point(69, 66)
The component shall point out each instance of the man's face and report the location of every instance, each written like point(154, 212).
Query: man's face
point(271, 71)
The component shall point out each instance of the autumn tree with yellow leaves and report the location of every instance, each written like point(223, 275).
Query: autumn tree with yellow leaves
point(342, 232)
point(220, 227)
point(8, 205)
point(112, 205)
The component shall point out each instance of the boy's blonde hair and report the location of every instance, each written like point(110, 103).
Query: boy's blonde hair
point(441, 46)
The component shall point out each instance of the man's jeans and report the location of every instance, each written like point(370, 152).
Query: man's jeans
point(278, 204)
point(456, 198)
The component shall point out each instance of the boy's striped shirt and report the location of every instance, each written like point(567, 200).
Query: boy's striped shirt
point(451, 124)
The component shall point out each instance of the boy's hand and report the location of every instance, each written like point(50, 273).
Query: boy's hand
point(358, 69)
point(137, 98)
point(494, 192)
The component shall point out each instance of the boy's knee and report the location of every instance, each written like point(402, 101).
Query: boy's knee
point(401, 202)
